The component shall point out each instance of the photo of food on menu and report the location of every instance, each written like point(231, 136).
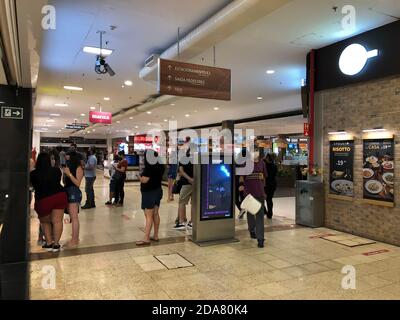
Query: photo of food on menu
point(341, 168)
point(378, 169)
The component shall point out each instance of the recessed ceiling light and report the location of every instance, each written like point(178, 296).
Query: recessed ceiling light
point(96, 50)
point(149, 123)
point(92, 108)
point(128, 83)
point(136, 127)
point(50, 120)
point(130, 118)
point(148, 112)
point(72, 88)
point(61, 105)
point(106, 98)
point(55, 114)
point(165, 120)
point(172, 104)
point(260, 98)
point(94, 130)
point(82, 114)
point(88, 131)
point(216, 108)
point(270, 71)
point(187, 115)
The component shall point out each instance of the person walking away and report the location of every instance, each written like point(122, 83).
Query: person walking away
point(172, 173)
point(50, 200)
point(73, 175)
point(254, 184)
point(186, 180)
point(270, 183)
point(113, 180)
point(120, 179)
point(151, 189)
point(90, 178)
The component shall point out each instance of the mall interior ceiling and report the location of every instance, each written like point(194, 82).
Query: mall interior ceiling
point(248, 37)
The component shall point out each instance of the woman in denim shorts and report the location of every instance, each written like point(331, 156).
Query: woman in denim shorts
point(73, 174)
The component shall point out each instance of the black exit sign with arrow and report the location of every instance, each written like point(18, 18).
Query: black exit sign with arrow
point(15, 113)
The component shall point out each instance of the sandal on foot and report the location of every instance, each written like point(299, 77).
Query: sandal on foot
point(143, 243)
point(153, 239)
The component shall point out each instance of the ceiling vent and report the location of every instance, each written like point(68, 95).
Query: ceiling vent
point(152, 60)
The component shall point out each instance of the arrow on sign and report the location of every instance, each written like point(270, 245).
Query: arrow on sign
point(17, 113)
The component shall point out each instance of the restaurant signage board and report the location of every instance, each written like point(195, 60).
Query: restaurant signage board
point(192, 80)
point(341, 168)
point(378, 171)
point(100, 117)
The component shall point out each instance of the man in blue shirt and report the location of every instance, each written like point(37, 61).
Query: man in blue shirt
point(90, 177)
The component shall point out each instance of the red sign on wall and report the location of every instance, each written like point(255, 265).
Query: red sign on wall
point(306, 130)
point(100, 117)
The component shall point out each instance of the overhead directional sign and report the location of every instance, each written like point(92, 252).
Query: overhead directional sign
point(16, 113)
point(192, 80)
point(76, 126)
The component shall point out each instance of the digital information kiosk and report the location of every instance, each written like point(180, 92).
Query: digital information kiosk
point(213, 206)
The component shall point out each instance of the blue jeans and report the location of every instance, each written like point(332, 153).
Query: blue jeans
point(89, 191)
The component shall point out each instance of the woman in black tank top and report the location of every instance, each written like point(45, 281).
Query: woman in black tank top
point(73, 174)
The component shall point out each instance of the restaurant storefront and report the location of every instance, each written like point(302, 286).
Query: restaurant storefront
point(356, 132)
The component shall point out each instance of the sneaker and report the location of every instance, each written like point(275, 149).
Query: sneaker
point(260, 243)
point(41, 242)
point(47, 247)
point(56, 248)
point(253, 235)
point(108, 203)
point(189, 225)
point(180, 226)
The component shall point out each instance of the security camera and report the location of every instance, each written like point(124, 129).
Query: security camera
point(102, 67)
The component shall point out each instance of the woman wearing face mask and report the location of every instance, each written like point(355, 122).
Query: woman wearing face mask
point(254, 184)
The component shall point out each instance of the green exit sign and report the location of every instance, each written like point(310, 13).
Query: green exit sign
point(12, 113)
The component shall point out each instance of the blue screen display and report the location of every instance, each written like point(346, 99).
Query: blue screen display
point(133, 160)
point(216, 200)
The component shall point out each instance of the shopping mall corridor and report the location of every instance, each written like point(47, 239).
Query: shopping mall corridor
point(296, 263)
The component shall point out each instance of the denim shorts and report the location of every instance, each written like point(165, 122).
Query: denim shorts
point(151, 199)
point(74, 194)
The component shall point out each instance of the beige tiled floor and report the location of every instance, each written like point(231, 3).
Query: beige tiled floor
point(293, 265)
point(231, 271)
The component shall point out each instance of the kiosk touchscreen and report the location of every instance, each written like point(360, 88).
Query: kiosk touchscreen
point(213, 201)
point(217, 188)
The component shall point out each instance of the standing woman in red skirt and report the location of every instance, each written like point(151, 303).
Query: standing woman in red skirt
point(50, 200)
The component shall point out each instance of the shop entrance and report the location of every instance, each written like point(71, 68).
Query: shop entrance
point(283, 138)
